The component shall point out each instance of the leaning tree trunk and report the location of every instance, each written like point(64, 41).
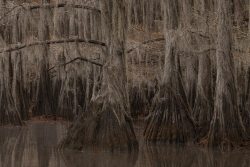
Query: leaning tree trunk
point(107, 124)
point(169, 121)
point(226, 128)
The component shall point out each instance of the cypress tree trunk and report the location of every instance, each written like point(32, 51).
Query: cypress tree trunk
point(44, 102)
point(191, 40)
point(10, 98)
point(226, 128)
point(140, 96)
point(44, 95)
point(191, 79)
point(246, 109)
point(169, 121)
point(8, 110)
point(18, 91)
point(107, 124)
point(237, 10)
point(203, 106)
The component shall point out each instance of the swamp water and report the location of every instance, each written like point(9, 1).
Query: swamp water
point(35, 145)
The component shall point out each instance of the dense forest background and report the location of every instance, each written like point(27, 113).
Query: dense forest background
point(181, 65)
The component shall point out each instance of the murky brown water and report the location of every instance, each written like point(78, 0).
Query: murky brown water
point(35, 146)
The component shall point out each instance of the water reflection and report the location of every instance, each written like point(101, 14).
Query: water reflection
point(230, 159)
point(187, 156)
point(99, 159)
point(31, 146)
point(8, 144)
point(35, 146)
point(170, 156)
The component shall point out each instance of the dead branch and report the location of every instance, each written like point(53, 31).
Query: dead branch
point(21, 46)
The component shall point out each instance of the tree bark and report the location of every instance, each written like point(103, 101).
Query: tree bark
point(169, 121)
point(191, 79)
point(203, 105)
point(237, 10)
point(107, 124)
point(226, 128)
point(8, 110)
point(246, 108)
point(44, 95)
point(18, 89)
point(11, 94)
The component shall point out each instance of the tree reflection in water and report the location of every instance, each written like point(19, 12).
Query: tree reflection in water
point(170, 156)
point(35, 145)
point(31, 146)
point(98, 159)
point(10, 140)
point(188, 156)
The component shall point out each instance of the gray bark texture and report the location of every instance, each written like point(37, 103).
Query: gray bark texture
point(226, 127)
point(170, 121)
point(107, 124)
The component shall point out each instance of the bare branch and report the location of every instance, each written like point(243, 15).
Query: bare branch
point(32, 7)
point(6, 14)
point(21, 46)
point(78, 58)
point(146, 42)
